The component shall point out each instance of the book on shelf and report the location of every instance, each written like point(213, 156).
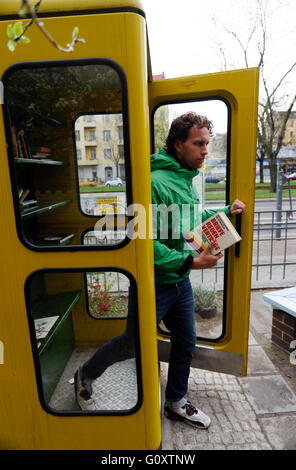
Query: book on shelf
point(217, 230)
point(29, 203)
point(44, 325)
point(23, 193)
point(14, 142)
point(25, 208)
point(23, 148)
point(40, 152)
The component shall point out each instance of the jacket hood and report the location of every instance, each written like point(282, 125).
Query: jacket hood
point(164, 161)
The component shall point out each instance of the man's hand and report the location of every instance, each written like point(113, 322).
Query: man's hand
point(237, 207)
point(206, 259)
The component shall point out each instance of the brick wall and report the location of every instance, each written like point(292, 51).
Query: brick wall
point(283, 329)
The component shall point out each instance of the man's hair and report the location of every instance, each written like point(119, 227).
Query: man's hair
point(180, 128)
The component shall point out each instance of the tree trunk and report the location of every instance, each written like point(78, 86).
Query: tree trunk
point(261, 171)
point(273, 174)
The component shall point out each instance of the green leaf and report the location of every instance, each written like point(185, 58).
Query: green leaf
point(18, 28)
point(10, 31)
point(24, 40)
point(11, 45)
point(75, 32)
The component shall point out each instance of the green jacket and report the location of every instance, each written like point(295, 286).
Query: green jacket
point(172, 187)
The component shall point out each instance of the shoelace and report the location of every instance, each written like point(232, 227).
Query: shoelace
point(190, 409)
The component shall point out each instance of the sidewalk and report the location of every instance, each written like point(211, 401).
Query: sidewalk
point(253, 412)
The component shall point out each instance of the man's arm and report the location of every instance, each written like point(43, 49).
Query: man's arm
point(206, 259)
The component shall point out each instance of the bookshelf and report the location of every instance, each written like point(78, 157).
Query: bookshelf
point(44, 208)
point(58, 305)
point(52, 317)
point(36, 174)
point(31, 161)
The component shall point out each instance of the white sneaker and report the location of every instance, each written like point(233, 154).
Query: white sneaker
point(189, 414)
point(83, 391)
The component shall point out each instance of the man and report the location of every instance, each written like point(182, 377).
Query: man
point(173, 170)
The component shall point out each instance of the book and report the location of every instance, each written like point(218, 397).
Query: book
point(22, 145)
point(15, 142)
point(44, 325)
point(41, 156)
point(41, 149)
point(217, 230)
point(29, 203)
point(41, 152)
point(23, 193)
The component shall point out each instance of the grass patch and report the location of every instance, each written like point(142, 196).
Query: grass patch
point(101, 189)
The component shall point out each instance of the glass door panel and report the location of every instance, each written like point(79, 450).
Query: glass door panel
point(208, 285)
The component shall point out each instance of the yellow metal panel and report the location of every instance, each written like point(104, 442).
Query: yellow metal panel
point(11, 7)
point(25, 425)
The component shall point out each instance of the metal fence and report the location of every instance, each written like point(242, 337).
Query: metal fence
point(274, 248)
point(274, 252)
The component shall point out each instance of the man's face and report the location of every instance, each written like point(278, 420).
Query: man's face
point(193, 151)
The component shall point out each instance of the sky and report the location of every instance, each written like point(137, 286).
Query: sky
point(185, 37)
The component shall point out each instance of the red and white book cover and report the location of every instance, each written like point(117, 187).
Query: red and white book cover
point(217, 230)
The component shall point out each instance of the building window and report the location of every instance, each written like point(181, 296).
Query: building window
point(91, 135)
point(107, 153)
point(106, 136)
point(93, 154)
point(78, 154)
point(121, 151)
point(105, 118)
point(77, 136)
point(120, 134)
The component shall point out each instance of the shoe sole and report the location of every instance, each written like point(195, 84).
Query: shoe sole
point(175, 417)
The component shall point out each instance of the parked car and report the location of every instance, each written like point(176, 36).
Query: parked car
point(291, 177)
point(212, 179)
point(114, 182)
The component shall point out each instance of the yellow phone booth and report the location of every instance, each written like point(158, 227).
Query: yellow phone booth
point(75, 144)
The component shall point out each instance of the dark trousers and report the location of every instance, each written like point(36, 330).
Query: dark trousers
point(175, 306)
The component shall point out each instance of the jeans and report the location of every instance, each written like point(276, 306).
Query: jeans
point(175, 306)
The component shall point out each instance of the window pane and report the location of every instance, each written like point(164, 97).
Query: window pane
point(65, 123)
point(65, 336)
point(208, 284)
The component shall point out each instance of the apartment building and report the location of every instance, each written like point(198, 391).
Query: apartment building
point(290, 132)
point(99, 147)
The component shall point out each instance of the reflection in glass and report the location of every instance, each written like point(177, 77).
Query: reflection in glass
point(63, 118)
point(107, 294)
point(68, 330)
point(211, 187)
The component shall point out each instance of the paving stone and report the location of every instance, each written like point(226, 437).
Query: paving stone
point(269, 394)
point(258, 362)
point(281, 431)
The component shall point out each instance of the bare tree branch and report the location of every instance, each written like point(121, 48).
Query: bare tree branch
point(25, 5)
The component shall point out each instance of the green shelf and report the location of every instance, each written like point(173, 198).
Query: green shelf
point(36, 161)
point(59, 305)
point(58, 240)
point(45, 208)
